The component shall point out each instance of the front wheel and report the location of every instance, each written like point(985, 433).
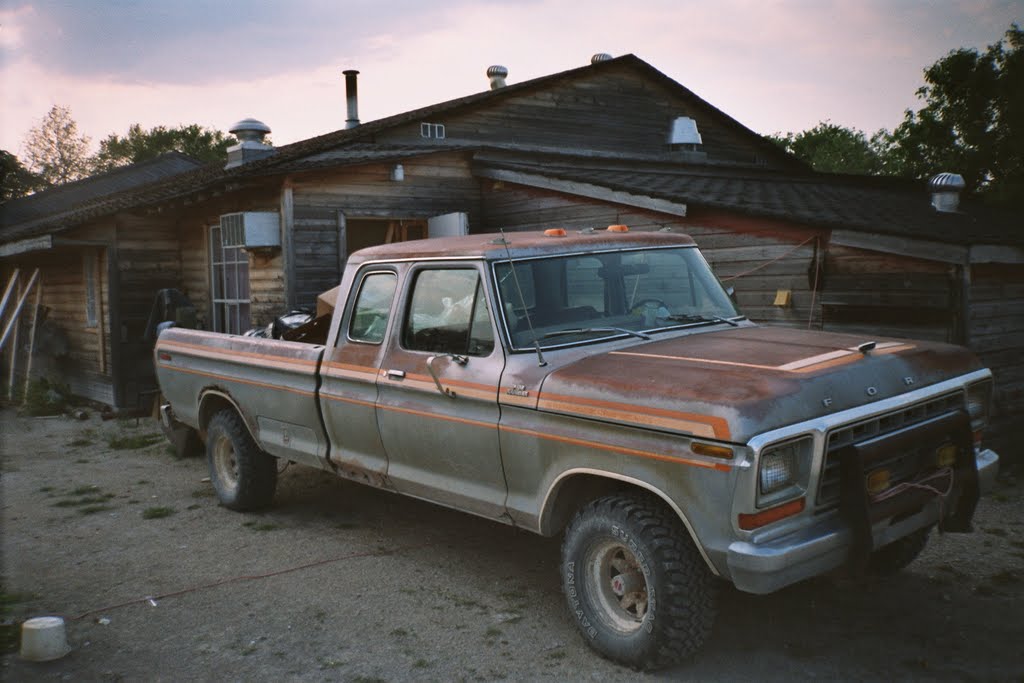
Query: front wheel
point(636, 585)
point(243, 475)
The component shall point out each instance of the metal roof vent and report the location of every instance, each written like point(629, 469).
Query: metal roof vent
point(497, 74)
point(600, 57)
point(684, 132)
point(946, 189)
point(251, 144)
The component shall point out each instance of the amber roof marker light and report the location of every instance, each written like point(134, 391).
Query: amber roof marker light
point(618, 228)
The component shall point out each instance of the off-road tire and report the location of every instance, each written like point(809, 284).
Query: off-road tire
point(891, 558)
point(243, 475)
point(641, 533)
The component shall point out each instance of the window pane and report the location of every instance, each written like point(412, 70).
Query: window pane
point(441, 309)
point(481, 334)
point(373, 307)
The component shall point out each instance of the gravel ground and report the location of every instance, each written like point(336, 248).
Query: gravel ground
point(344, 583)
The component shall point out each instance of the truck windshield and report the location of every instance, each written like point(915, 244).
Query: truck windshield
point(572, 299)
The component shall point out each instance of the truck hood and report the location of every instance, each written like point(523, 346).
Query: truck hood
point(732, 384)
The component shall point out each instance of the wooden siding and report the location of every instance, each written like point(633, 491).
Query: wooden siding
point(996, 334)
point(85, 368)
point(433, 186)
point(879, 294)
point(757, 262)
point(616, 110)
point(193, 252)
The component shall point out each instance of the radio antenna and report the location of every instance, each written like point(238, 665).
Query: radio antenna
point(522, 300)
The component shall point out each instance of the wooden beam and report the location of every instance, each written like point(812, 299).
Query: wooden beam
point(342, 244)
point(17, 309)
point(904, 246)
point(32, 340)
point(994, 253)
point(584, 190)
point(288, 242)
point(40, 243)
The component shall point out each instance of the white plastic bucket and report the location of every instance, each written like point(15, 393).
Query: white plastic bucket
point(43, 639)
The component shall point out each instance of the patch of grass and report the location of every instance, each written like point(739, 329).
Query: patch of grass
point(93, 509)
point(399, 633)
point(44, 398)
point(133, 441)
point(84, 490)
point(95, 498)
point(80, 442)
point(194, 506)
point(492, 632)
point(261, 526)
point(995, 531)
point(369, 679)
point(556, 654)
point(421, 664)
point(82, 461)
point(46, 489)
point(205, 492)
point(157, 512)
point(346, 525)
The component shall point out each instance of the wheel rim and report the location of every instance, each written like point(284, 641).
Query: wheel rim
point(619, 586)
point(225, 464)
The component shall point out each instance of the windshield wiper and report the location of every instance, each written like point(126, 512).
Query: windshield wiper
point(599, 330)
point(690, 318)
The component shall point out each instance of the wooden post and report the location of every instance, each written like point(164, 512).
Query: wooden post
point(7, 292)
point(14, 343)
point(17, 309)
point(32, 340)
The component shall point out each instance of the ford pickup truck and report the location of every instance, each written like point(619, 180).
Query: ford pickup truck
point(601, 385)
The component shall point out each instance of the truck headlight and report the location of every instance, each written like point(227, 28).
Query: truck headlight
point(979, 402)
point(783, 470)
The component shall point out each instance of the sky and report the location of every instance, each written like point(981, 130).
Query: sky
point(773, 65)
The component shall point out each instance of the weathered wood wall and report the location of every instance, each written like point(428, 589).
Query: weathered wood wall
point(614, 110)
point(756, 258)
point(86, 367)
point(996, 334)
point(870, 292)
point(433, 185)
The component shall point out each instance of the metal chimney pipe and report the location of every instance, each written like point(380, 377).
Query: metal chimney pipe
point(352, 95)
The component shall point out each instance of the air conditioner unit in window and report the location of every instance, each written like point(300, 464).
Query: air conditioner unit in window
point(251, 230)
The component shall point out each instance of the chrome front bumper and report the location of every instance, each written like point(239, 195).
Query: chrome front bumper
point(824, 545)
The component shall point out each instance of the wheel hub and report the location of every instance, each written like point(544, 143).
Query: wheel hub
point(620, 587)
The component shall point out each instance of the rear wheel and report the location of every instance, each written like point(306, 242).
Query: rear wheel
point(637, 587)
point(243, 475)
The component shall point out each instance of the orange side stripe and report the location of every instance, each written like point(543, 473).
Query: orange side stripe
point(226, 378)
point(217, 351)
point(721, 467)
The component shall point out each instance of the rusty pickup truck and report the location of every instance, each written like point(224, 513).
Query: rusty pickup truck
point(600, 384)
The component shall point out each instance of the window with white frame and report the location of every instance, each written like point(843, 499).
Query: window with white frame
point(229, 279)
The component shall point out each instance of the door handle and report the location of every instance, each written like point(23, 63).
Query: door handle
point(396, 374)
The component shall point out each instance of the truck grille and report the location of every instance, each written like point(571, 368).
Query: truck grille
point(902, 465)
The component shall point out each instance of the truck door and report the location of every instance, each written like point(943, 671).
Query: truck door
point(438, 392)
point(348, 393)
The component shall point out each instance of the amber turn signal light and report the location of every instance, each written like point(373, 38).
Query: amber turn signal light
point(760, 519)
point(555, 232)
point(618, 228)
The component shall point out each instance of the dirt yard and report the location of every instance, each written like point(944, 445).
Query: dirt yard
point(340, 582)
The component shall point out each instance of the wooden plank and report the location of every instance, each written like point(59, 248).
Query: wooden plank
point(288, 230)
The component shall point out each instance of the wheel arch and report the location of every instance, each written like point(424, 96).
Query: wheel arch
point(212, 401)
point(575, 487)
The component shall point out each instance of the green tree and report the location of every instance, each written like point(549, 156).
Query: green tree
point(16, 180)
point(137, 145)
point(831, 148)
point(55, 151)
point(972, 121)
